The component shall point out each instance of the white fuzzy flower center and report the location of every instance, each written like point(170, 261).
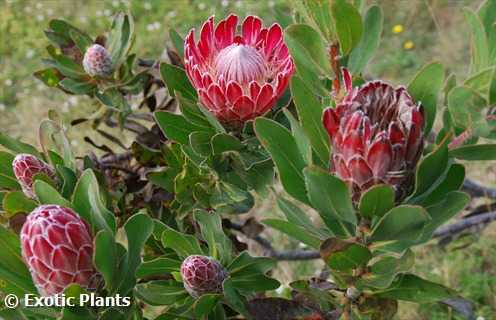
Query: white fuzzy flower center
point(240, 63)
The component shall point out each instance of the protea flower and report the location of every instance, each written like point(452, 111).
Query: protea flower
point(376, 133)
point(202, 275)
point(26, 166)
point(97, 61)
point(238, 76)
point(57, 247)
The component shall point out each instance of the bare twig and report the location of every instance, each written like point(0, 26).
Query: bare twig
point(115, 158)
point(477, 190)
point(464, 224)
point(291, 255)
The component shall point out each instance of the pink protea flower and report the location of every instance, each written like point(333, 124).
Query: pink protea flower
point(202, 275)
point(97, 61)
point(376, 133)
point(26, 166)
point(58, 248)
point(238, 76)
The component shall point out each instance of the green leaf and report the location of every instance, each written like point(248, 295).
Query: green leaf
point(69, 180)
point(331, 197)
point(64, 64)
point(164, 292)
point(480, 81)
point(492, 86)
point(369, 42)
point(113, 99)
point(236, 301)
point(474, 152)
point(17, 146)
point(177, 81)
point(230, 199)
point(178, 42)
point(106, 258)
point(429, 172)
point(297, 216)
point(317, 14)
point(175, 126)
point(13, 272)
point(425, 88)
point(480, 49)
point(343, 255)
point(193, 113)
point(409, 287)
point(205, 304)
point(47, 194)
point(279, 142)
point(245, 265)
point(300, 137)
point(158, 266)
point(183, 244)
point(223, 142)
point(219, 244)
point(310, 114)
point(382, 273)
point(77, 87)
point(82, 40)
point(49, 76)
point(309, 54)
point(138, 229)
point(348, 24)
point(121, 38)
point(404, 222)
point(87, 202)
point(200, 143)
point(8, 183)
point(294, 231)
point(376, 201)
point(466, 107)
point(452, 181)
point(443, 211)
point(15, 201)
point(254, 283)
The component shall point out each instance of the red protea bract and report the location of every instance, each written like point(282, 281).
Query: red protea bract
point(202, 275)
point(238, 76)
point(376, 134)
point(58, 248)
point(25, 167)
point(97, 61)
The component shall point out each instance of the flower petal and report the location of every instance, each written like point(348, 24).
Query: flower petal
point(251, 29)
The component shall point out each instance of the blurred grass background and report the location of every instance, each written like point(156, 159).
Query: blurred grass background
point(415, 32)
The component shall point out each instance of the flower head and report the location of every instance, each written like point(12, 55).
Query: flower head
point(376, 133)
point(238, 76)
point(97, 61)
point(58, 248)
point(25, 167)
point(202, 275)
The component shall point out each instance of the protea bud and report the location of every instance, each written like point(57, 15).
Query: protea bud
point(25, 167)
point(97, 61)
point(376, 133)
point(238, 76)
point(202, 275)
point(58, 249)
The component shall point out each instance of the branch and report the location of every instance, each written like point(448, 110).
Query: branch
point(464, 224)
point(477, 190)
point(293, 255)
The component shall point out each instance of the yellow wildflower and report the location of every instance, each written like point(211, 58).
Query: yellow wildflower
point(408, 45)
point(398, 28)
